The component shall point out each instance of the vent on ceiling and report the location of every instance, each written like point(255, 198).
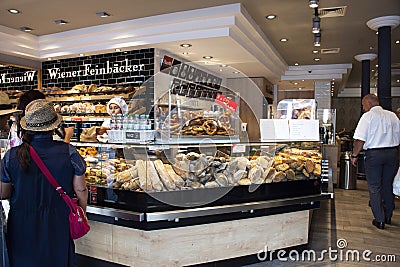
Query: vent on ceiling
point(331, 12)
point(330, 50)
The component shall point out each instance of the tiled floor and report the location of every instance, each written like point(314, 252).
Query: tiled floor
point(347, 219)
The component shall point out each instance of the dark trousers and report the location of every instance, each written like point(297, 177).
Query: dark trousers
point(380, 168)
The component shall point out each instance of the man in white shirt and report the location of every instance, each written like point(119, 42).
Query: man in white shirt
point(378, 133)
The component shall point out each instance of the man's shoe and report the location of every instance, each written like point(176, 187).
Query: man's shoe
point(379, 225)
point(388, 220)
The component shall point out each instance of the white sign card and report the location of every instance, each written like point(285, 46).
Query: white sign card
point(275, 130)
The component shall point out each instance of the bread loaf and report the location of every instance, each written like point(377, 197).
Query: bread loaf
point(165, 178)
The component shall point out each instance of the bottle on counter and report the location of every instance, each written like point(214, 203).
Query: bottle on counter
point(136, 122)
point(113, 122)
point(125, 123)
point(119, 122)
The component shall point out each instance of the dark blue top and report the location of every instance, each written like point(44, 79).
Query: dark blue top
point(38, 227)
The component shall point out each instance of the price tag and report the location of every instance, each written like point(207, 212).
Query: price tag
point(76, 119)
point(238, 148)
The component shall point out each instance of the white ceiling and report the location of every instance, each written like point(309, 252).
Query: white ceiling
point(249, 43)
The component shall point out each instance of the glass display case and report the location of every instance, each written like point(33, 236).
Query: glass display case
point(180, 118)
point(158, 178)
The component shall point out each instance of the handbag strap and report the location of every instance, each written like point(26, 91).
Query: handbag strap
point(39, 162)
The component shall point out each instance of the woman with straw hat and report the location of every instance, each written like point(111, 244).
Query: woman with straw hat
point(37, 226)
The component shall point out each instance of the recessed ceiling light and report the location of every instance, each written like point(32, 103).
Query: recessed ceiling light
point(26, 29)
point(220, 70)
point(185, 53)
point(49, 58)
point(295, 83)
point(14, 11)
point(186, 45)
point(376, 65)
point(315, 51)
point(283, 40)
point(398, 81)
point(236, 72)
point(271, 17)
point(377, 33)
point(117, 50)
point(223, 65)
point(296, 64)
point(103, 14)
point(60, 22)
point(300, 88)
point(81, 55)
point(398, 42)
point(302, 80)
point(207, 57)
point(372, 70)
point(317, 59)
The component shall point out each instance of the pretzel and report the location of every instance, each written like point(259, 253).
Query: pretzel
point(210, 126)
point(225, 120)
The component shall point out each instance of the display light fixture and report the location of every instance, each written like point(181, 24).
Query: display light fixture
point(317, 39)
point(14, 11)
point(313, 3)
point(316, 28)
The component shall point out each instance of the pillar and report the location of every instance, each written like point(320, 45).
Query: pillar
point(365, 60)
point(384, 25)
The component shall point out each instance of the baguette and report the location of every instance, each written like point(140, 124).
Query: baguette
point(141, 169)
point(165, 178)
point(153, 177)
point(175, 177)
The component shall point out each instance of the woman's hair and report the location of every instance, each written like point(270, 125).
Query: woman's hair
point(23, 152)
point(23, 101)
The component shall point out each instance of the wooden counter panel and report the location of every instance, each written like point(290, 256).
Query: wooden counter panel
point(194, 244)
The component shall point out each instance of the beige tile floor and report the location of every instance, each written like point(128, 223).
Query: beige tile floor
point(348, 217)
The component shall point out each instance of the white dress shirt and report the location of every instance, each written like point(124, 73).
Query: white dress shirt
point(378, 128)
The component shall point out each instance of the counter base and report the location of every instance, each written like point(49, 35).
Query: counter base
point(194, 244)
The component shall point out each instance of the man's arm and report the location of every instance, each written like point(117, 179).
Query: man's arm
point(357, 147)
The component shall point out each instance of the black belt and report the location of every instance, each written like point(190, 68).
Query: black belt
point(382, 148)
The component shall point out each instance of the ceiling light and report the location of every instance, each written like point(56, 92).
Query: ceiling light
point(398, 42)
point(60, 22)
point(271, 17)
point(185, 53)
point(376, 65)
point(223, 65)
point(103, 14)
point(207, 57)
point(317, 59)
point(398, 81)
point(26, 29)
point(186, 45)
point(49, 58)
point(313, 3)
point(317, 39)
point(296, 64)
point(315, 51)
point(283, 40)
point(296, 83)
point(236, 72)
point(316, 28)
point(14, 11)
point(220, 70)
point(81, 55)
point(117, 49)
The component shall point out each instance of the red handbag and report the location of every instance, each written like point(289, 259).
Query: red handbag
point(78, 222)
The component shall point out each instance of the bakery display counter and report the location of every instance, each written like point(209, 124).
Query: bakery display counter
point(261, 196)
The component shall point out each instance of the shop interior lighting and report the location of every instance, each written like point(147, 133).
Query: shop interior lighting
point(296, 64)
point(398, 42)
point(26, 29)
point(81, 55)
point(103, 14)
point(317, 39)
point(271, 17)
point(283, 40)
point(316, 28)
point(207, 57)
point(317, 59)
point(223, 65)
point(185, 53)
point(60, 22)
point(14, 11)
point(185, 45)
point(315, 51)
point(313, 3)
point(117, 50)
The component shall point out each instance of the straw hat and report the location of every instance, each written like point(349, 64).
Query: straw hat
point(118, 101)
point(5, 105)
point(40, 116)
